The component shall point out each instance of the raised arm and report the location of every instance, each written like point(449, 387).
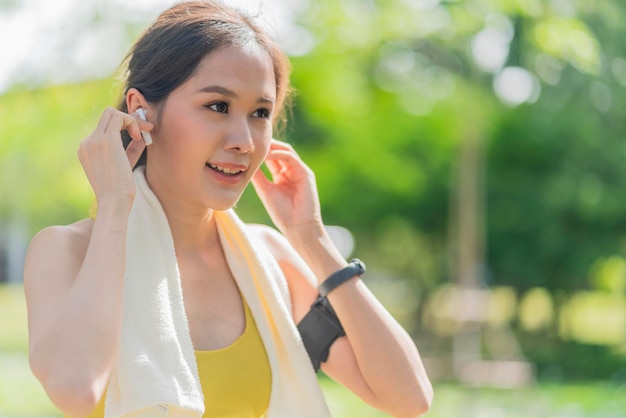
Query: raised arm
point(73, 276)
point(378, 360)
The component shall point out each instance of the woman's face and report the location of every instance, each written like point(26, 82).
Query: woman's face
point(214, 131)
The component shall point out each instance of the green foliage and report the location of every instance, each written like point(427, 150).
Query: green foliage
point(609, 274)
point(41, 179)
point(13, 332)
point(20, 393)
point(561, 361)
point(9, 4)
point(391, 89)
point(555, 190)
point(383, 101)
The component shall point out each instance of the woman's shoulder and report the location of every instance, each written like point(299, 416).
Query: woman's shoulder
point(284, 253)
point(55, 255)
point(273, 240)
point(301, 282)
point(70, 240)
point(76, 233)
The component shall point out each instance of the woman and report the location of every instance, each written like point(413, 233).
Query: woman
point(212, 85)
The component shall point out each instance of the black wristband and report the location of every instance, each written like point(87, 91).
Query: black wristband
point(355, 268)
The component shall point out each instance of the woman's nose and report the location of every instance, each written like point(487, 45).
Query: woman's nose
point(240, 137)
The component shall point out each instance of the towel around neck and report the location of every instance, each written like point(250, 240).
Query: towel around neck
point(155, 373)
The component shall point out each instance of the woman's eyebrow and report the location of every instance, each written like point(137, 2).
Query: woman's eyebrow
point(218, 89)
point(229, 93)
point(268, 100)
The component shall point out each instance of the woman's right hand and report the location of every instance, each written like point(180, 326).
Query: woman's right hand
point(107, 165)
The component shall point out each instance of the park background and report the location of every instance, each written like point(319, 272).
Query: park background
point(474, 150)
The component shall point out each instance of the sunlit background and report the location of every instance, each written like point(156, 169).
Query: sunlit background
point(471, 151)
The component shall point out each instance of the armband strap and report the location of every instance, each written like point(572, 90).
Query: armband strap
point(319, 329)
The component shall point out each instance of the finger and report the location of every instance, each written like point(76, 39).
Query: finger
point(120, 121)
point(274, 167)
point(278, 154)
point(145, 127)
point(105, 119)
point(133, 128)
point(283, 159)
point(282, 148)
point(278, 171)
point(280, 145)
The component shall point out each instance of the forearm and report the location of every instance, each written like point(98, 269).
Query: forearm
point(77, 346)
point(386, 355)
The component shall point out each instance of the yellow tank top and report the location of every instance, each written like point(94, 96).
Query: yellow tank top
point(236, 380)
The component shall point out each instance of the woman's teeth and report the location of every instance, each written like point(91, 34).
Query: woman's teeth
point(224, 169)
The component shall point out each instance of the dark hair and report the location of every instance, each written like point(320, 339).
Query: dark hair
point(169, 51)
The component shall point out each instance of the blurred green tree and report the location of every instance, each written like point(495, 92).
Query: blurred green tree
point(386, 93)
point(391, 89)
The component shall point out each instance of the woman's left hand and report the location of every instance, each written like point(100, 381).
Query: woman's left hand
point(291, 197)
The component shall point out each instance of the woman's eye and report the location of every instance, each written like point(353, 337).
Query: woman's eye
point(219, 107)
point(262, 113)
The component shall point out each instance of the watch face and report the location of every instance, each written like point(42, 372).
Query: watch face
point(360, 265)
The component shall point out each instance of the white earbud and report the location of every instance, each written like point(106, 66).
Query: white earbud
point(147, 138)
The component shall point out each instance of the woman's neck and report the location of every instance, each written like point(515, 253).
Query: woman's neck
point(192, 230)
point(192, 226)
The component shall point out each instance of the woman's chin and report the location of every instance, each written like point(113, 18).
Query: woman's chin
point(224, 203)
point(222, 208)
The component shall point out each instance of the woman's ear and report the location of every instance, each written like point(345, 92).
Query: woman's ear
point(135, 100)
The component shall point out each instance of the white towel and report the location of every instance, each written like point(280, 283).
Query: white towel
point(155, 374)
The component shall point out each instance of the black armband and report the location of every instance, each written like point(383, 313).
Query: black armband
point(319, 329)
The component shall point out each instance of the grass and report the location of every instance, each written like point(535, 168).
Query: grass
point(20, 393)
point(21, 396)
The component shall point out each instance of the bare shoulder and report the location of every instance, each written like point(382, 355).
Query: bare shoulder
point(300, 279)
point(57, 245)
point(74, 237)
point(275, 241)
